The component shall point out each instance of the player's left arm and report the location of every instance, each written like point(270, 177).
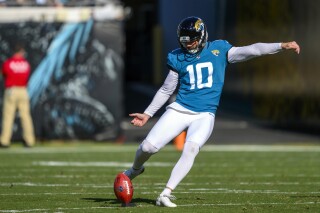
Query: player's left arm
point(239, 54)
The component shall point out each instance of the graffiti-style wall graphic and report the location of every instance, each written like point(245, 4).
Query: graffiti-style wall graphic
point(76, 83)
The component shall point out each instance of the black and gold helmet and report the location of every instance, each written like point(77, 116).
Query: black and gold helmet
point(192, 29)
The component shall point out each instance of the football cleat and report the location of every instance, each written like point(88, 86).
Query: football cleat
point(165, 201)
point(132, 173)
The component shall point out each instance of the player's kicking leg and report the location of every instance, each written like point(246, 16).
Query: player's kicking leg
point(155, 140)
point(143, 153)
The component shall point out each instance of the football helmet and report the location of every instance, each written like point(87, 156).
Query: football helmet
point(192, 29)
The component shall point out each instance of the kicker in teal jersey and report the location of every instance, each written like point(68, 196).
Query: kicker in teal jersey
point(201, 75)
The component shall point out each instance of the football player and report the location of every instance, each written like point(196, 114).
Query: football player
point(198, 66)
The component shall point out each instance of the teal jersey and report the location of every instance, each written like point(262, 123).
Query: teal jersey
point(201, 77)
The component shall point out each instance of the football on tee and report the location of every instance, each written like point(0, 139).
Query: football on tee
point(123, 188)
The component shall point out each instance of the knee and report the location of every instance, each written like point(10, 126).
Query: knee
point(191, 149)
point(148, 147)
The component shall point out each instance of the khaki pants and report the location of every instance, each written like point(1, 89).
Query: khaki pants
point(17, 98)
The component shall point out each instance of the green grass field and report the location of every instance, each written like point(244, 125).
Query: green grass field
point(78, 177)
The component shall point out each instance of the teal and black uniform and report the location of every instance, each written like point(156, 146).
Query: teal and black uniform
point(201, 76)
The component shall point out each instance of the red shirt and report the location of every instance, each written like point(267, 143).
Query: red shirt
point(16, 71)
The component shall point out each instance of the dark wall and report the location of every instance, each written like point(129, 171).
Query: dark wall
point(281, 88)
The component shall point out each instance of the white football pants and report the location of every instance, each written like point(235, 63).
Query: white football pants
point(172, 123)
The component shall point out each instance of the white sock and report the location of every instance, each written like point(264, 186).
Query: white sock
point(184, 164)
point(166, 191)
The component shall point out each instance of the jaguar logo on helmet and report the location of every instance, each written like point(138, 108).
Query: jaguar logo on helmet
point(199, 25)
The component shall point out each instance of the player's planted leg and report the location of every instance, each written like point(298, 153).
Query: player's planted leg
point(179, 171)
point(165, 201)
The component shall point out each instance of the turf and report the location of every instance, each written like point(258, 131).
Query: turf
point(78, 177)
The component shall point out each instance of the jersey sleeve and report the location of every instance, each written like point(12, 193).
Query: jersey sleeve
point(221, 47)
point(226, 45)
point(171, 62)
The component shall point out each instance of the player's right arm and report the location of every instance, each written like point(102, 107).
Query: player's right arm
point(161, 97)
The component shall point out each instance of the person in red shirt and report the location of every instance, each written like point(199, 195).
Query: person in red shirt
point(16, 72)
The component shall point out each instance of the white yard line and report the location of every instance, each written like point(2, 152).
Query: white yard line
point(14, 176)
point(54, 194)
point(182, 191)
point(261, 148)
point(255, 175)
point(152, 206)
point(252, 204)
point(231, 191)
point(97, 164)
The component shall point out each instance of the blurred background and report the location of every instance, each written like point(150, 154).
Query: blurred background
point(95, 61)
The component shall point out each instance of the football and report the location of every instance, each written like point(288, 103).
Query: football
point(123, 188)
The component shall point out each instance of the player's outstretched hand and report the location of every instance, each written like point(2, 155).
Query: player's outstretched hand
point(139, 119)
point(292, 45)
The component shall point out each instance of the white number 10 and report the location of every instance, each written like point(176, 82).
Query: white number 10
point(199, 67)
